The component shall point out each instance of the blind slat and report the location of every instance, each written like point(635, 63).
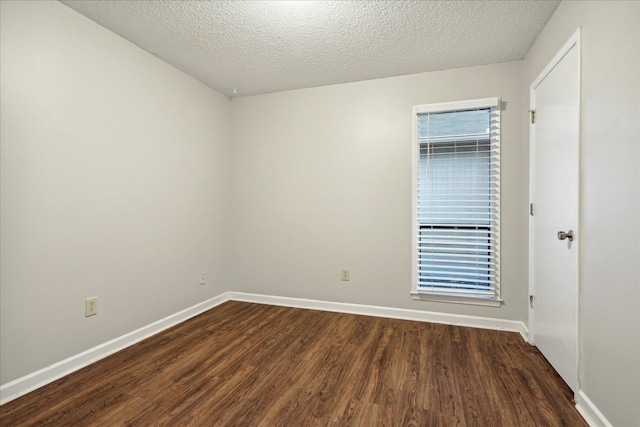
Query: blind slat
point(443, 284)
point(451, 257)
point(447, 290)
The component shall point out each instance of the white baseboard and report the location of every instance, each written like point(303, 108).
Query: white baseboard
point(30, 382)
point(394, 313)
point(590, 412)
point(24, 385)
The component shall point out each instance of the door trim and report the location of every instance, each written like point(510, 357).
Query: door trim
point(573, 42)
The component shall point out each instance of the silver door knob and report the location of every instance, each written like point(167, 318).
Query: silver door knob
point(568, 235)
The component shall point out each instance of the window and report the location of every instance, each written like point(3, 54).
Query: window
point(456, 202)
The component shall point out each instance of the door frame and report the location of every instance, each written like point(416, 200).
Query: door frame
point(573, 42)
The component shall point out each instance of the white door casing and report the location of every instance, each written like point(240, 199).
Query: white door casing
point(555, 194)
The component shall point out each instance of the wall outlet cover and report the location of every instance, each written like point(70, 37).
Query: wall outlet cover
point(91, 306)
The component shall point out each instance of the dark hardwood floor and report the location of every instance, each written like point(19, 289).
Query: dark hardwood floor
point(243, 364)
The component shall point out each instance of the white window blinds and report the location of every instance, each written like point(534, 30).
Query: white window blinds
point(457, 216)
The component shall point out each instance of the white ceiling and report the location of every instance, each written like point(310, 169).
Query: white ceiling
point(268, 46)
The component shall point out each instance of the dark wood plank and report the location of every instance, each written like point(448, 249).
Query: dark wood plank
point(260, 365)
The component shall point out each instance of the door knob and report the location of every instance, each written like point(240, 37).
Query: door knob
point(568, 235)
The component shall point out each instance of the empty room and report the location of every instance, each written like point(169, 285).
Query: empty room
point(319, 213)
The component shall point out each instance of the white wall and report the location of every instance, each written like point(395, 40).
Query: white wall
point(114, 182)
point(322, 181)
point(610, 293)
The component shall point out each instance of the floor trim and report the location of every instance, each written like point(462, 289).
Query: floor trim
point(30, 382)
point(35, 380)
point(590, 412)
point(389, 312)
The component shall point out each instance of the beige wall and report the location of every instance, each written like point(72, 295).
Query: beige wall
point(610, 292)
point(114, 182)
point(322, 181)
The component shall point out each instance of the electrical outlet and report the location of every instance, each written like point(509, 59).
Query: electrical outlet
point(91, 306)
point(203, 278)
point(346, 274)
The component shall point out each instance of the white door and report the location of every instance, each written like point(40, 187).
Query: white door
point(555, 142)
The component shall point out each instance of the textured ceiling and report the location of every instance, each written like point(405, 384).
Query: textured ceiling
point(268, 46)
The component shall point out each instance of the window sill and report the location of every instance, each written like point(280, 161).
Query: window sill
point(456, 299)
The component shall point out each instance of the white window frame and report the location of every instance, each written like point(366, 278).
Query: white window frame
point(495, 105)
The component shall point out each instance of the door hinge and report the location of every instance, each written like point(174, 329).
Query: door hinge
point(532, 114)
point(531, 301)
point(531, 209)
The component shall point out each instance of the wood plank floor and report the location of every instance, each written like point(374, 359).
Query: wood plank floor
point(243, 364)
